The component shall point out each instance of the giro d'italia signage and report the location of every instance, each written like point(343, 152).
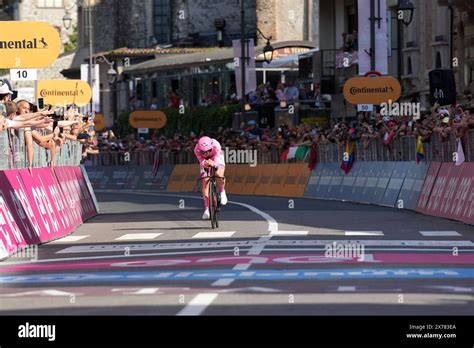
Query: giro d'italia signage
point(372, 90)
point(64, 92)
point(147, 119)
point(28, 44)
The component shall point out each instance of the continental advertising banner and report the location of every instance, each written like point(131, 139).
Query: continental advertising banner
point(64, 92)
point(28, 44)
point(147, 119)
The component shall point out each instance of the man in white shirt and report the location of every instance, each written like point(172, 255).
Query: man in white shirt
point(5, 94)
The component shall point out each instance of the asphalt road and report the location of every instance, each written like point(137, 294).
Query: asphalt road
point(150, 254)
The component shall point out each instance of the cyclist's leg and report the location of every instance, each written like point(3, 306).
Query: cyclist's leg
point(205, 193)
point(221, 180)
point(221, 183)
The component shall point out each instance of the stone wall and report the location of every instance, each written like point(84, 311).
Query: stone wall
point(199, 16)
point(29, 11)
point(105, 24)
point(289, 20)
point(266, 14)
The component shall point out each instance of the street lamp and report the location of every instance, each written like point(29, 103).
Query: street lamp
point(268, 54)
point(268, 49)
point(111, 78)
point(67, 20)
point(111, 75)
point(405, 10)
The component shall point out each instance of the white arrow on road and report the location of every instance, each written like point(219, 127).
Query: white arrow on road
point(49, 292)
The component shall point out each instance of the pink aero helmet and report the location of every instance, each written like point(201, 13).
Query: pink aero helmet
point(205, 145)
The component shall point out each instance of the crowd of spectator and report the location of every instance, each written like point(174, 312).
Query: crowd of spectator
point(368, 128)
point(288, 93)
point(49, 127)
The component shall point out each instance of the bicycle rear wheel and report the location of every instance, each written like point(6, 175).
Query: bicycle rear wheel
point(217, 205)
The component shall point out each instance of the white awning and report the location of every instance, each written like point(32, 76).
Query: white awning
point(288, 61)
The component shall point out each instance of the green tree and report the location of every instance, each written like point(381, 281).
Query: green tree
point(197, 119)
point(71, 45)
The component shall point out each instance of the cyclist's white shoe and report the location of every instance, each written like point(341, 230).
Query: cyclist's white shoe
point(223, 198)
point(206, 215)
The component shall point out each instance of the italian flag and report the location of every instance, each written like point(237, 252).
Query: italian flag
point(294, 152)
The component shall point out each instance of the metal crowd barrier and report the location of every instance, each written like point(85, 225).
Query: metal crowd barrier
point(14, 155)
point(402, 149)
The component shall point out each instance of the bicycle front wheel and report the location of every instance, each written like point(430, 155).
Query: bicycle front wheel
point(212, 205)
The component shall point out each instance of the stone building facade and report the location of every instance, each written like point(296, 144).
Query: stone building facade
point(463, 48)
point(200, 16)
point(425, 43)
point(147, 23)
point(425, 47)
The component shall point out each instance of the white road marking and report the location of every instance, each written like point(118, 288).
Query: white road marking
point(98, 248)
point(223, 282)
point(453, 288)
point(69, 239)
point(213, 234)
point(198, 304)
point(346, 288)
point(439, 233)
point(228, 281)
point(255, 250)
point(326, 232)
point(250, 288)
point(83, 258)
point(46, 292)
point(242, 266)
point(375, 249)
point(259, 246)
point(289, 233)
point(13, 263)
point(272, 224)
point(363, 233)
point(139, 236)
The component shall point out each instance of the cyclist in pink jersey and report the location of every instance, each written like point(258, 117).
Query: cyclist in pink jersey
point(209, 153)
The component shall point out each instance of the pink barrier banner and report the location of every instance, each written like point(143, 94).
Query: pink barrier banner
point(66, 187)
point(464, 198)
point(86, 197)
point(11, 238)
point(22, 208)
point(451, 192)
point(37, 190)
point(42, 206)
point(428, 186)
point(453, 179)
point(439, 188)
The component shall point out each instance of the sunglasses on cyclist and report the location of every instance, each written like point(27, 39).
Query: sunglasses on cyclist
point(203, 153)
